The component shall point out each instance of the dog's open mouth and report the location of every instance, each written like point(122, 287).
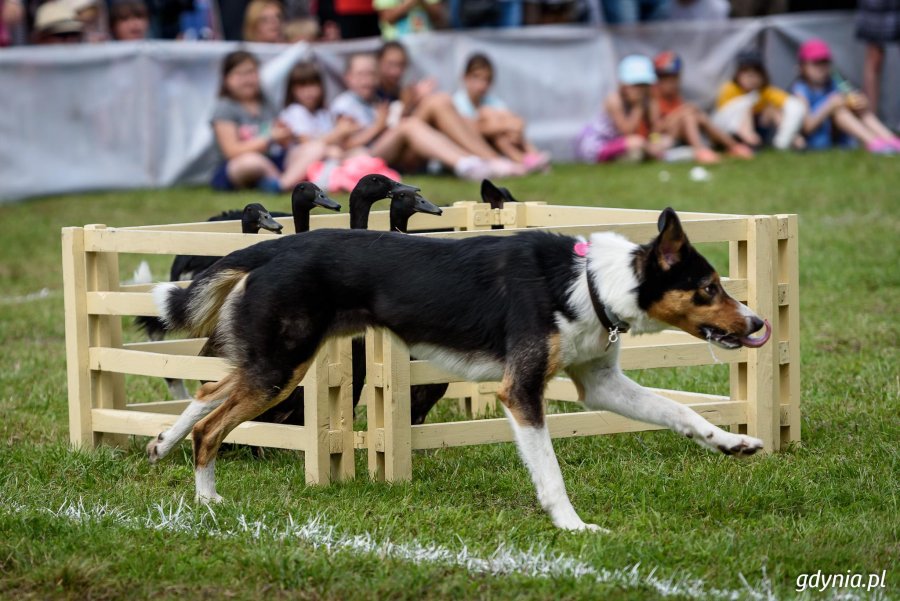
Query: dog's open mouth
point(732, 341)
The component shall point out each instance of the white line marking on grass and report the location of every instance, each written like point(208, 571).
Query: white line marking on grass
point(184, 518)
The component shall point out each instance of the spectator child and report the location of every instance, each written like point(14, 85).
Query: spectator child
point(129, 20)
point(752, 109)
point(500, 126)
point(56, 22)
point(684, 121)
point(422, 99)
point(627, 126)
point(250, 141)
point(306, 115)
point(835, 114)
point(409, 142)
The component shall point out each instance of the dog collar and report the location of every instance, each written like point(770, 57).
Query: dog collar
point(614, 324)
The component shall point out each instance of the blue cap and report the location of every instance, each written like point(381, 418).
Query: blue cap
point(636, 69)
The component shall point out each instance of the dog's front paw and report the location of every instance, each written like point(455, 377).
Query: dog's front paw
point(580, 526)
point(733, 444)
point(213, 499)
point(154, 452)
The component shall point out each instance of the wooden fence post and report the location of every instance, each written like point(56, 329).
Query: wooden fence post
point(328, 415)
point(81, 433)
point(764, 411)
point(102, 270)
point(789, 328)
point(388, 412)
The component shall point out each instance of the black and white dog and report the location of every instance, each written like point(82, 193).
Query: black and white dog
point(517, 309)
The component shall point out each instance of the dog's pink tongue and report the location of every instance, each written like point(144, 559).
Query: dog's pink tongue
point(758, 342)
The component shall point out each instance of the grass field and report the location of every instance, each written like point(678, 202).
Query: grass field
point(683, 521)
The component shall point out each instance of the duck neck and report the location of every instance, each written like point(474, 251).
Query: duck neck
point(399, 221)
point(301, 219)
point(248, 227)
point(359, 213)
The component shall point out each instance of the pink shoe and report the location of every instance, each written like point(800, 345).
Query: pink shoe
point(536, 161)
point(506, 168)
point(882, 146)
point(895, 142)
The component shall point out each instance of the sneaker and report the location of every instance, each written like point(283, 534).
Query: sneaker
point(741, 151)
point(895, 142)
point(472, 168)
point(881, 146)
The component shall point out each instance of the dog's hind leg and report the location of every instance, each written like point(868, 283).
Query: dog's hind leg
point(210, 396)
point(606, 387)
point(250, 395)
point(521, 393)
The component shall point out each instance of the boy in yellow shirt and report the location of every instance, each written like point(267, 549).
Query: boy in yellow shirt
point(749, 106)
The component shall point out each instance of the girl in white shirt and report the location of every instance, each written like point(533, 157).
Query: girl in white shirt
point(306, 114)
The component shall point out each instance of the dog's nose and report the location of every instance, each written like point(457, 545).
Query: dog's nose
point(755, 324)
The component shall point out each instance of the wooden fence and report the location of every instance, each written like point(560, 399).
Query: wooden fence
point(764, 398)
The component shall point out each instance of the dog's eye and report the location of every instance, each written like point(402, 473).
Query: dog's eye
point(711, 289)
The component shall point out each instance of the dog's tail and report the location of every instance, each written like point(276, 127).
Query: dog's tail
point(197, 307)
point(151, 326)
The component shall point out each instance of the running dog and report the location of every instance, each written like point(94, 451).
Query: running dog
point(516, 309)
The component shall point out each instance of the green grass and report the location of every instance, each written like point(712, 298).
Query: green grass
point(829, 504)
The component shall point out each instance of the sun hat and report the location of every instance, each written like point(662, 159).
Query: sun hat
point(56, 16)
point(814, 50)
point(636, 69)
point(667, 63)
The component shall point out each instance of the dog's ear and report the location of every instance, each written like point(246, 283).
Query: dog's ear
point(671, 240)
point(491, 194)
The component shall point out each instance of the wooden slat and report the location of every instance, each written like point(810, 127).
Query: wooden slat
point(140, 423)
point(554, 215)
point(121, 303)
point(565, 425)
point(168, 407)
point(721, 230)
point(562, 389)
point(220, 244)
point(156, 364)
point(378, 220)
point(184, 346)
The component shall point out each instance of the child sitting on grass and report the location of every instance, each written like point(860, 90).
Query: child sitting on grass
point(684, 121)
point(835, 114)
point(307, 116)
point(409, 143)
point(628, 124)
point(755, 111)
point(500, 127)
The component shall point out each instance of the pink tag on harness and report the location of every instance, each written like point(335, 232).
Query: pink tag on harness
point(581, 248)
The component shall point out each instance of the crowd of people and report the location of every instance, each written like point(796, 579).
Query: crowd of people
point(285, 21)
point(411, 126)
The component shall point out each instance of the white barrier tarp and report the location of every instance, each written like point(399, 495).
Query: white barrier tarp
point(129, 115)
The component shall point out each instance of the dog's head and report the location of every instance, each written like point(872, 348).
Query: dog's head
point(679, 287)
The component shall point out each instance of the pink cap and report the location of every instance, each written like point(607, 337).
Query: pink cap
point(814, 50)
